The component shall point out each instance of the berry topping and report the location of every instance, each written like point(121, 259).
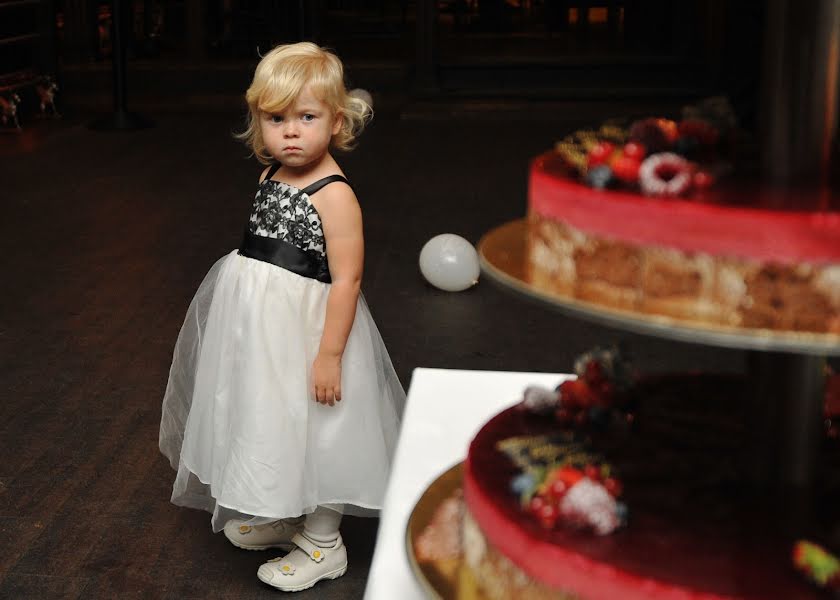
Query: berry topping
point(703, 180)
point(594, 373)
point(547, 516)
point(536, 504)
point(557, 488)
point(613, 487)
point(626, 169)
point(575, 393)
point(702, 131)
point(593, 472)
point(634, 150)
point(600, 154)
point(650, 134)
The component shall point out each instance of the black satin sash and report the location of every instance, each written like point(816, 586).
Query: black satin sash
point(284, 255)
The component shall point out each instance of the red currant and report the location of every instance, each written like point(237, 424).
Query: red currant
point(703, 180)
point(634, 150)
point(576, 394)
point(626, 169)
point(548, 516)
point(599, 154)
point(536, 504)
point(558, 488)
point(569, 392)
point(613, 486)
point(593, 373)
point(592, 471)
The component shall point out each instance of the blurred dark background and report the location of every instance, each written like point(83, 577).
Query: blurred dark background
point(203, 51)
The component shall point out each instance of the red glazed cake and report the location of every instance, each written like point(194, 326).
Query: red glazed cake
point(693, 531)
point(727, 254)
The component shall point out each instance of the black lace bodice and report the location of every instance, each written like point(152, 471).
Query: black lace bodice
point(284, 212)
point(283, 215)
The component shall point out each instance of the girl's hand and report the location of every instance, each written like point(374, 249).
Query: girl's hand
point(326, 378)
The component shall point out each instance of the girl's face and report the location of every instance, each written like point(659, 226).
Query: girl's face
point(299, 136)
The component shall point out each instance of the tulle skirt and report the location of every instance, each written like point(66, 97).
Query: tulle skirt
point(240, 424)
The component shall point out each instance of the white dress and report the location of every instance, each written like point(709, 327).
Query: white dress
point(240, 423)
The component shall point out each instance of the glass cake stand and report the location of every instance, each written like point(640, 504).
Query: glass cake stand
point(786, 370)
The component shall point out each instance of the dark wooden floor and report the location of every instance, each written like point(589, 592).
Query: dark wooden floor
point(103, 240)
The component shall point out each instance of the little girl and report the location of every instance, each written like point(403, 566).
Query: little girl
point(282, 408)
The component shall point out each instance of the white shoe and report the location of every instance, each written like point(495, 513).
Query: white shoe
point(305, 566)
point(277, 534)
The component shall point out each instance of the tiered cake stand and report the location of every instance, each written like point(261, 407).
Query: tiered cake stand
point(786, 370)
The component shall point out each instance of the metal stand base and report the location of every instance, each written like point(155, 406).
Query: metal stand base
point(784, 418)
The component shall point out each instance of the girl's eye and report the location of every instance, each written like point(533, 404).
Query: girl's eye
point(308, 117)
point(276, 119)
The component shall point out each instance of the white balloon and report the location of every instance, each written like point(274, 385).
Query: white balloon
point(362, 94)
point(449, 262)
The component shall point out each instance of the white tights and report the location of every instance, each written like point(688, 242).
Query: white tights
point(321, 526)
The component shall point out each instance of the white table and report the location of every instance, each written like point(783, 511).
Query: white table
point(444, 410)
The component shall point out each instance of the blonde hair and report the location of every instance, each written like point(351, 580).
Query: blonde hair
point(279, 79)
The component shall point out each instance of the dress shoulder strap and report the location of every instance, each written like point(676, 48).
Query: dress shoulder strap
point(314, 187)
point(271, 171)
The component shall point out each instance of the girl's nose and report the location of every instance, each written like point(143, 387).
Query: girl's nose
point(290, 130)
